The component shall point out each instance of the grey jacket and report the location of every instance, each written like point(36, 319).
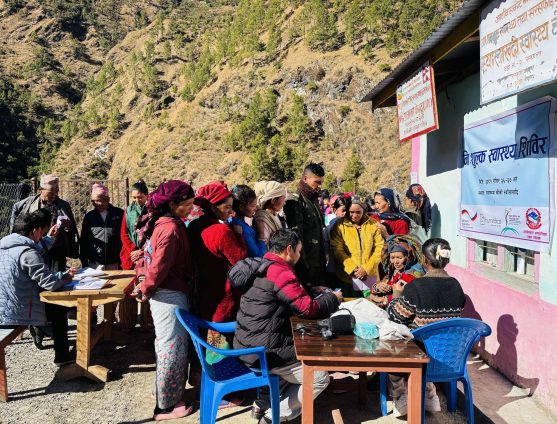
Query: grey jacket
point(70, 239)
point(23, 275)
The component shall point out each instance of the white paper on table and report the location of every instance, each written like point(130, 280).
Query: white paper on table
point(361, 285)
point(88, 272)
point(90, 283)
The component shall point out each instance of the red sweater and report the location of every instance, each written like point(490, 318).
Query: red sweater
point(216, 248)
point(407, 278)
point(394, 226)
point(167, 261)
point(127, 246)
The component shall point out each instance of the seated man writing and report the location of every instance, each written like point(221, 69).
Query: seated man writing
point(275, 295)
point(24, 274)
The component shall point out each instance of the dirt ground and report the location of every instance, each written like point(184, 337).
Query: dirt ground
point(37, 397)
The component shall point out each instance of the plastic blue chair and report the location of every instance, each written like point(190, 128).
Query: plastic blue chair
point(447, 343)
point(229, 374)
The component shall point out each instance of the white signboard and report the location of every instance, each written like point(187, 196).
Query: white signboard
point(507, 177)
point(416, 104)
point(518, 46)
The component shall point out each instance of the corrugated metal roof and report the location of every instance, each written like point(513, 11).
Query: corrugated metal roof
point(468, 8)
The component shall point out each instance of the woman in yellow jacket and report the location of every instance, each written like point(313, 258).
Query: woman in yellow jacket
point(356, 244)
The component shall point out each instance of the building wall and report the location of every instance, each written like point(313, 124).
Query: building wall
point(523, 317)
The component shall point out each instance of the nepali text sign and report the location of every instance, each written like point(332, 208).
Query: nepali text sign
point(507, 177)
point(517, 46)
point(416, 104)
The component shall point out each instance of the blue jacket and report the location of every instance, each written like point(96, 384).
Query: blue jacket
point(256, 248)
point(23, 275)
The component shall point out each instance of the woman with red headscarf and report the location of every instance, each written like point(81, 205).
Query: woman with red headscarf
point(167, 284)
point(216, 248)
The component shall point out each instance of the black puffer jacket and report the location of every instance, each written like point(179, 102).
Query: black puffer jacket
point(100, 239)
point(266, 308)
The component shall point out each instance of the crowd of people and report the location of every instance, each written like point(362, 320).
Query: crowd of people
point(253, 255)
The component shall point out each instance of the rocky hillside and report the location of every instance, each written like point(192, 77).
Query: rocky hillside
point(219, 89)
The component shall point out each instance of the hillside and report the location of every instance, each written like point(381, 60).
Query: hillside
point(226, 90)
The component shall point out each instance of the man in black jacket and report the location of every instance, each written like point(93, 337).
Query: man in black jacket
point(266, 306)
point(100, 242)
point(303, 213)
point(66, 243)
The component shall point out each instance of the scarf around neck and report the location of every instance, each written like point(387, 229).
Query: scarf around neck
point(308, 192)
point(133, 212)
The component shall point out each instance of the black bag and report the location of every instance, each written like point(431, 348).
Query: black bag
point(339, 324)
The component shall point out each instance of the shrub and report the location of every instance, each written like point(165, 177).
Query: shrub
point(344, 111)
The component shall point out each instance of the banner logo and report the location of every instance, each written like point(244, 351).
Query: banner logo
point(533, 218)
point(465, 212)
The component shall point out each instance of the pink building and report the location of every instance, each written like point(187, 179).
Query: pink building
point(512, 289)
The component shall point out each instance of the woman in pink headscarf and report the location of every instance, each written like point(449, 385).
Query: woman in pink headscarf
point(167, 284)
point(216, 248)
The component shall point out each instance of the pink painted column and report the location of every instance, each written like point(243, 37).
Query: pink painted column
point(416, 156)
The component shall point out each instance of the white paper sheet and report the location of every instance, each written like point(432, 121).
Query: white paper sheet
point(90, 283)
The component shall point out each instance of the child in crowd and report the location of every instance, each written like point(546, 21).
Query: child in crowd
point(245, 205)
point(402, 261)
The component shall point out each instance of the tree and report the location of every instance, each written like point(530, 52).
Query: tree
point(322, 33)
point(297, 123)
point(352, 171)
point(273, 43)
point(353, 23)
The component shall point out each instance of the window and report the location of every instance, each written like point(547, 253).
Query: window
point(520, 261)
point(513, 261)
point(487, 252)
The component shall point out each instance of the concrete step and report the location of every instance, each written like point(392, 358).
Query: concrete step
point(498, 401)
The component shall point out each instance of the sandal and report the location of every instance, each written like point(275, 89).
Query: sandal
point(231, 403)
point(180, 410)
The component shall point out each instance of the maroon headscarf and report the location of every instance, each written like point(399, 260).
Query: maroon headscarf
point(170, 191)
point(157, 205)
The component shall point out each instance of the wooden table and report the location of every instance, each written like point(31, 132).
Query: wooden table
point(351, 353)
point(84, 300)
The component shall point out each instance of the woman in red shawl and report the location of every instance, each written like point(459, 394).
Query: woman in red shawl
point(131, 254)
point(215, 249)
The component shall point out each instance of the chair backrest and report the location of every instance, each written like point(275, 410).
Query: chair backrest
point(192, 324)
point(448, 344)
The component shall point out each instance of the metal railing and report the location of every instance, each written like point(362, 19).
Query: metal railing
point(76, 192)
point(9, 195)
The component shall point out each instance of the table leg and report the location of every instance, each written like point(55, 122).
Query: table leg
point(3, 379)
point(307, 394)
point(108, 320)
point(83, 342)
point(415, 396)
point(362, 388)
point(81, 368)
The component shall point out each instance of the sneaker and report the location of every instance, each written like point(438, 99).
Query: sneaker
point(432, 404)
point(180, 410)
point(65, 360)
point(265, 420)
point(400, 406)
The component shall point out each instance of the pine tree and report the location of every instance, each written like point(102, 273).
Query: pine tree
point(353, 23)
point(273, 43)
point(352, 171)
point(322, 33)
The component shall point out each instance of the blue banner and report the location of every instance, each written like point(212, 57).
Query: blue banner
point(507, 177)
